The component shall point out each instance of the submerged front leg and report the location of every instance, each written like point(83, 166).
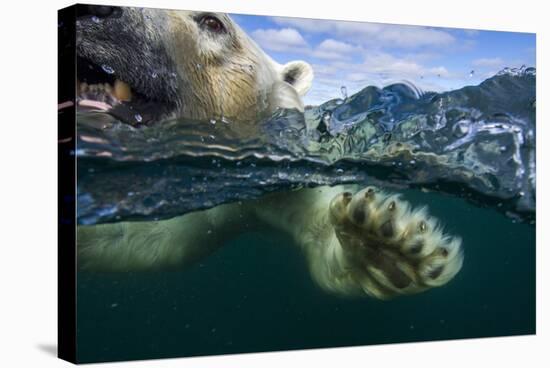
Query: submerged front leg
point(149, 245)
point(373, 242)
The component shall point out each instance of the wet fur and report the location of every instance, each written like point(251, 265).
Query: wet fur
point(188, 71)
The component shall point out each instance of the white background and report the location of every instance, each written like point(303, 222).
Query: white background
point(29, 183)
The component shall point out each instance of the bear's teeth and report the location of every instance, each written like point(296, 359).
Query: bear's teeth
point(122, 91)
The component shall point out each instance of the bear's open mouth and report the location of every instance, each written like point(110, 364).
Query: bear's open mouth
point(99, 89)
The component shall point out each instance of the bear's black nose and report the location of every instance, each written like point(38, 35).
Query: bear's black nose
point(99, 11)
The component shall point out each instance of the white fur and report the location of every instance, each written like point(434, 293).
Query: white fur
point(228, 73)
point(337, 250)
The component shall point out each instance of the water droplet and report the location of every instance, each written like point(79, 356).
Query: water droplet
point(114, 305)
point(412, 162)
point(326, 117)
point(502, 148)
point(344, 92)
point(461, 128)
point(213, 121)
point(209, 232)
point(138, 118)
point(96, 19)
point(154, 75)
point(107, 69)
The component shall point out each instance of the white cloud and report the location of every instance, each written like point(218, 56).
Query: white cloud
point(331, 49)
point(391, 35)
point(385, 63)
point(285, 39)
point(331, 45)
point(488, 62)
point(377, 69)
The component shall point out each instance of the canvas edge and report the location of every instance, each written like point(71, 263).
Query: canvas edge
point(66, 175)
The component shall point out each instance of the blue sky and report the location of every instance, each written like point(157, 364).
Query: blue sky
point(357, 54)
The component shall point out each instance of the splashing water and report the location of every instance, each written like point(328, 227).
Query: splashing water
point(477, 142)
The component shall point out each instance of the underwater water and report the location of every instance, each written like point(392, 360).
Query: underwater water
point(468, 155)
point(255, 294)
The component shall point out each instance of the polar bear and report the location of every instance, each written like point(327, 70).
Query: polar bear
point(197, 64)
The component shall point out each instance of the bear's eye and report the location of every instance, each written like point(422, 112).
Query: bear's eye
point(212, 23)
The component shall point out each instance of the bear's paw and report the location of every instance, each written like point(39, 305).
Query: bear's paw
point(390, 248)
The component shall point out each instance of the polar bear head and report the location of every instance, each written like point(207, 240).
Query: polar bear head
point(165, 63)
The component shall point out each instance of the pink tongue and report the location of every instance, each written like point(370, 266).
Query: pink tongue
point(94, 105)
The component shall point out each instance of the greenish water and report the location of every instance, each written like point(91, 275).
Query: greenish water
point(255, 294)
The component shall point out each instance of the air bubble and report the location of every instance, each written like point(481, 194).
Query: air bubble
point(138, 118)
point(96, 19)
point(154, 75)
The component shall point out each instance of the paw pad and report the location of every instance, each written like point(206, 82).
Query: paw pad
point(393, 249)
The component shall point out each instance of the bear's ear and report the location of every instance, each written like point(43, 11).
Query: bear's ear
point(299, 75)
